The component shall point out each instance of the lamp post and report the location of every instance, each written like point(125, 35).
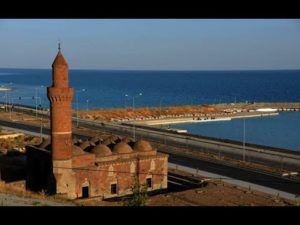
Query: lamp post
point(36, 100)
point(82, 90)
point(133, 98)
point(87, 105)
point(41, 111)
point(244, 137)
point(160, 105)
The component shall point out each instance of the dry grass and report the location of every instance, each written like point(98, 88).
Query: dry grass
point(22, 192)
point(108, 114)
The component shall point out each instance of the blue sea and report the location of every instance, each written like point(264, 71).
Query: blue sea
point(280, 131)
point(107, 89)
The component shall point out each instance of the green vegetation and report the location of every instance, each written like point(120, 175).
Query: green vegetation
point(138, 197)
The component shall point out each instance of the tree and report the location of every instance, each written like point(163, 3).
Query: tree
point(139, 195)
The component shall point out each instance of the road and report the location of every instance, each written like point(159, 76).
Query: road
point(284, 159)
point(255, 177)
point(280, 158)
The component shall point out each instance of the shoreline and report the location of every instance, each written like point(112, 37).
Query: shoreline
point(179, 113)
point(6, 89)
point(201, 120)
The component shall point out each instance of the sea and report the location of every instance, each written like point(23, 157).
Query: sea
point(123, 89)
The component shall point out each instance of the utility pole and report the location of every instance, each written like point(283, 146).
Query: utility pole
point(133, 125)
point(160, 105)
point(77, 124)
point(244, 137)
point(36, 93)
point(41, 111)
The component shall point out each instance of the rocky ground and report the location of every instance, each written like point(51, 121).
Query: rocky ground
point(14, 200)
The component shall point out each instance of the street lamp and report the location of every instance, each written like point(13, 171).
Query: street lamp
point(87, 104)
point(82, 90)
point(133, 97)
point(244, 137)
point(36, 99)
point(160, 105)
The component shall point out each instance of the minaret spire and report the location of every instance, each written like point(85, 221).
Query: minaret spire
point(59, 45)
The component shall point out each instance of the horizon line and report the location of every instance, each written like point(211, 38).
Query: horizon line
point(183, 70)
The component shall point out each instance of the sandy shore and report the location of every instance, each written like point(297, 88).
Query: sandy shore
point(5, 89)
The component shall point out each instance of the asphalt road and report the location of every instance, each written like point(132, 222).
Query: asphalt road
point(255, 177)
point(262, 179)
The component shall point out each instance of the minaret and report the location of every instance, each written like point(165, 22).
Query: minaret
point(60, 95)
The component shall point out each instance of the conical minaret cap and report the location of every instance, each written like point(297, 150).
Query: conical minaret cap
point(59, 60)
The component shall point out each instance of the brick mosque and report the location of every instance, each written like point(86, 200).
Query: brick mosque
point(93, 168)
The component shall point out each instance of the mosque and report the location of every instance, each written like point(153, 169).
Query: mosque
point(93, 168)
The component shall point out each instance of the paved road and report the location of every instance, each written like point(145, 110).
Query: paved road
point(31, 129)
point(280, 158)
point(240, 183)
point(254, 177)
point(267, 180)
point(284, 159)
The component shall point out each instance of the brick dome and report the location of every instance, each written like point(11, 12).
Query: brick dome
point(142, 146)
point(84, 145)
point(108, 141)
point(94, 139)
point(59, 60)
point(127, 140)
point(122, 148)
point(77, 150)
point(101, 150)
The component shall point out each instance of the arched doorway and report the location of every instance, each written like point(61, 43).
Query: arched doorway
point(85, 189)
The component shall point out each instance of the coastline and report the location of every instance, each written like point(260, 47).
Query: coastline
point(5, 89)
point(201, 120)
point(185, 113)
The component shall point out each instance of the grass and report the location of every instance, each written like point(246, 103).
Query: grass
point(4, 188)
point(108, 114)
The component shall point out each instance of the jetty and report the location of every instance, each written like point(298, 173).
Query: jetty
point(202, 119)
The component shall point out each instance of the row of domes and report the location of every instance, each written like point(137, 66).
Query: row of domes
point(107, 147)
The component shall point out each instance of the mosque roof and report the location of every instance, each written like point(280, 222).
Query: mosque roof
point(101, 150)
point(77, 150)
point(122, 148)
point(142, 146)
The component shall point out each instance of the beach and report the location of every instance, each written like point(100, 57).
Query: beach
point(5, 89)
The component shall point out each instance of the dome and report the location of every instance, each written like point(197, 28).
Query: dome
point(142, 146)
point(59, 60)
point(77, 150)
point(127, 140)
point(45, 143)
point(101, 150)
point(122, 147)
point(84, 145)
point(108, 141)
point(94, 139)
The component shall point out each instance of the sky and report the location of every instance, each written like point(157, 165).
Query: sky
point(152, 44)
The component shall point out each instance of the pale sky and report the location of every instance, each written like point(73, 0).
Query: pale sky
point(152, 44)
